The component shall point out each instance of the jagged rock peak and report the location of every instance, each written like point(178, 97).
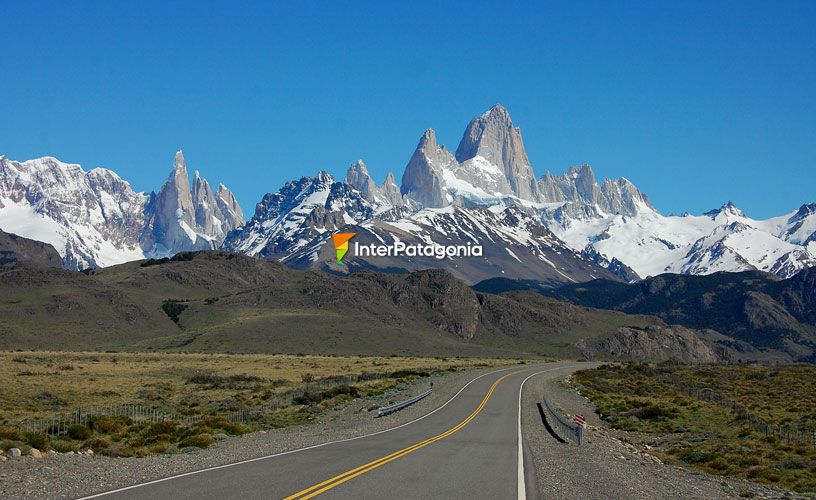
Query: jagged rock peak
point(179, 163)
point(428, 139)
point(579, 185)
point(359, 178)
point(391, 191)
point(324, 177)
point(804, 211)
point(423, 179)
point(728, 209)
point(493, 137)
point(183, 218)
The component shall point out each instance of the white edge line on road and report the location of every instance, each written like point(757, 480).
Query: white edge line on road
point(118, 490)
point(522, 488)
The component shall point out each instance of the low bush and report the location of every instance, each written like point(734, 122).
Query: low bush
point(79, 432)
point(37, 440)
point(108, 425)
point(161, 428)
point(409, 373)
point(309, 397)
point(10, 433)
point(222, 424)
point(63, 445)
point(198, 440)
point(97, 444)
point(173, 309)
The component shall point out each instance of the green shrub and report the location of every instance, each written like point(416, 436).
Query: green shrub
point(691, 456)
point(79, 432)
point(198, 440)
point(62, 445)
point(97, 444)
point(37, 440)
point(8, 443)
point(409, 373)
point(222, 424)
point(312, 397)
point(107, 425)
point(160, 429)
point(159, 448)
point(173, 309)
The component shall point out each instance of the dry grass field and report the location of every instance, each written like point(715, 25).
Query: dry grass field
point(280, 389)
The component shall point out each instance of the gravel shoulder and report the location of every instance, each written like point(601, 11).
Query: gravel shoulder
point(606, 466)
point(72, 476)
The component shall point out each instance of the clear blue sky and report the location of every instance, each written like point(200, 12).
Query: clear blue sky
point(696, 103)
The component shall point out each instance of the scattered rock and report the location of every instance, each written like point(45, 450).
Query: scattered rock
point(89, 452)
point(3, 458)
point(220, 437)
point(34, 452)
point(14, 452)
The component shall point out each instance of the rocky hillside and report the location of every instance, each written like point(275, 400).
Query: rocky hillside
point(751, 307)
point(222, 302)
point(16, 249)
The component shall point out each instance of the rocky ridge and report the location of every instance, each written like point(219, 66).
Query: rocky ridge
point(96, 219)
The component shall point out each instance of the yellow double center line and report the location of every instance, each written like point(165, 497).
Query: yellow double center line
point(335, 481)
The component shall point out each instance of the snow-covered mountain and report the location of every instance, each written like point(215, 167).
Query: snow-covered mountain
point(557, 228)
point(295, 224)
point(96, 219)
point(720, 240)
point(180, 218)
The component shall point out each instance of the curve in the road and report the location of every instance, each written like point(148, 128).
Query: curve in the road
point(339, 479)
point(266, 457)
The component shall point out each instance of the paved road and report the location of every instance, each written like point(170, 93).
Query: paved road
point(468, 448)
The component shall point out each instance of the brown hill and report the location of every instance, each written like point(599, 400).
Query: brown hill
point(222, 302)
point(14, 248)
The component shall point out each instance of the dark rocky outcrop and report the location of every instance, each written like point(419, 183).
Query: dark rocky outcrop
point(16, 249)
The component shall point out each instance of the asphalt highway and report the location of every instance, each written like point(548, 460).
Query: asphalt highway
point(467, 448)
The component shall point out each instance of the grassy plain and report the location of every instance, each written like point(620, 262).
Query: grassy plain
point(280, 390)
point(706, 435)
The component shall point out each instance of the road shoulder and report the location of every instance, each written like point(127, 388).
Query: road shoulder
point(606, 466)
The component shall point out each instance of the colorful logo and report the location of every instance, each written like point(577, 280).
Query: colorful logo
point(341, 244)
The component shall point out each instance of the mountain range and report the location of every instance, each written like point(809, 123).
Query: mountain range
point(755, 313)
point(95, 218)
point(555, 229)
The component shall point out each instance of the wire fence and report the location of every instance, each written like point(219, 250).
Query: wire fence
point(803, 435)
point(562, 424)
point(59, 425)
